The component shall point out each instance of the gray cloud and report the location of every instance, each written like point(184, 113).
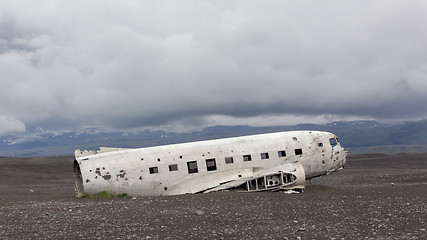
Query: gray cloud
point(186, 64)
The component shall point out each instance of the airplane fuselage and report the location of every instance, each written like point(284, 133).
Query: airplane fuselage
point(272, 161)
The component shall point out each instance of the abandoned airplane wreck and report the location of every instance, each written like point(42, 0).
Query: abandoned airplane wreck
point(263, 162)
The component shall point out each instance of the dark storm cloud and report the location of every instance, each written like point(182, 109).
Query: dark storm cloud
point(187, 64)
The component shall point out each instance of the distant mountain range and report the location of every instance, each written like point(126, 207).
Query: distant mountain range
point(356, 136)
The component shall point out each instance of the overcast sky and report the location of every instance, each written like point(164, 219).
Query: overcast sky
point(183, 65)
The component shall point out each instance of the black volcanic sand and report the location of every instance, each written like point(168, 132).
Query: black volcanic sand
point(374, 197)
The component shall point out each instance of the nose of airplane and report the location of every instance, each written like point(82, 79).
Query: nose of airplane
point(341, 157)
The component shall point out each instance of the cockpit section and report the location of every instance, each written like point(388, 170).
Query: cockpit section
point(338, 154)
point(333, 141)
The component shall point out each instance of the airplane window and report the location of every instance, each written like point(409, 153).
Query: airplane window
point(154, 170)
point(282, 153)
point(298, 151)
point(173, 167)
point(247, 158)
point(192, 167)
point(229, 160)
point(333, 142)
point(320, 144)
point(211, 164)
point(264, 156)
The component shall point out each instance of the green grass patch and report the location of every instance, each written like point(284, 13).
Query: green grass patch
point(105, 194)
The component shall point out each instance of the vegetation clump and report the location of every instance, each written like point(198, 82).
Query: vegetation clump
point(105, 194)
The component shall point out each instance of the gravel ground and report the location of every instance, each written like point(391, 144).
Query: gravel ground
point(374, 197)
